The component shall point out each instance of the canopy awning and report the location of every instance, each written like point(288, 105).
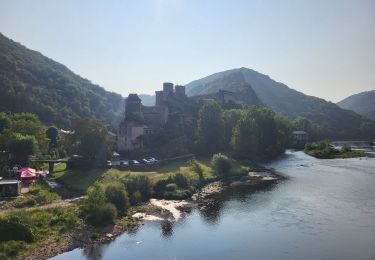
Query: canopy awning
point(27, 173)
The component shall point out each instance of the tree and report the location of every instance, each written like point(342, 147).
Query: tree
point(117, 195)
point(21, 147)
point(245, 140)
point(221, 165)
point(231, 118)
point(52, 134)
point(210, 129)
point(4, 121)
point(284, 130)
point(95, 207)
point(92, 141)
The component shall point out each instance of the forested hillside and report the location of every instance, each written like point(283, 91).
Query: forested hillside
point(338, 122)
point(31, 82)
point(362, 103)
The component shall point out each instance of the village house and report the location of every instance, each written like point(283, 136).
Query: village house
point(300, 136)
point(10, 188)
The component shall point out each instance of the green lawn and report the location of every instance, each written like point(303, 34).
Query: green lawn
point(79, 181)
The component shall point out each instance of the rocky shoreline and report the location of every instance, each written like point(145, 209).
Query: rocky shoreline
point(155, 210)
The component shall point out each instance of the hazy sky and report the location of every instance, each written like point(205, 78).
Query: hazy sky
point(324, 48)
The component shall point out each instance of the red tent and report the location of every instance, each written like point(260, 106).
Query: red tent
point(28, 173)
point(26, 169)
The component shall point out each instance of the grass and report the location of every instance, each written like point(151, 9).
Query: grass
point(44, 224)
point(79, 180)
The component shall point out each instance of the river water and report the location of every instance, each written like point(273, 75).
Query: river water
point(325, 209)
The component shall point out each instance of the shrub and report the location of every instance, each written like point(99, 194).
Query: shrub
point(180, 180)
point(221, 165)
point(196, 167)
point(95, 208)
point(11, 249)
point(346, 149)
point(177, 194)
point(14, 228)
point(171, 187)
point(117, 195)
point(136, 198)
point(159, 187)
point(141, 184)
point(24, 202)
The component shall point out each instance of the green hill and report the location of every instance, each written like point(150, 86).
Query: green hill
point(31, 82)
point(280, 98)
point(362, 103)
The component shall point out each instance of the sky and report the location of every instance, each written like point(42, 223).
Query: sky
point(324, 48)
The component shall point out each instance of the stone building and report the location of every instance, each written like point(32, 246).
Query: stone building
point(142, 120)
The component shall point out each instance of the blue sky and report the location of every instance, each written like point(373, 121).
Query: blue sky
point(324, 48)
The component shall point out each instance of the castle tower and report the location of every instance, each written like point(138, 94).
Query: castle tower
point(132, 105)
point(159, 97)
point(180, 91)
point(167, 90)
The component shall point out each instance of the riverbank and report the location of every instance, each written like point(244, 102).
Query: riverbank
point(173, 210)
point(81, 235)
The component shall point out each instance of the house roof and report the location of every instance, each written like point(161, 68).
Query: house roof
point(7, 182)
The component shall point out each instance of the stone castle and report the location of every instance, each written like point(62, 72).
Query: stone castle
point(144, 120)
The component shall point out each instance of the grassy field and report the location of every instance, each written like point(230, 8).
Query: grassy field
point(79, 181)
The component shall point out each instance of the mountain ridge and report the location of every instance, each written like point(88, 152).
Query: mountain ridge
point(285, 100)
point(362, 103)
point(32, 82)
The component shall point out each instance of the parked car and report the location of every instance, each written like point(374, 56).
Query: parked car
point(147, 161)
point(151, 159)
point(109, 164)
point(124, 163)
point(133, 162)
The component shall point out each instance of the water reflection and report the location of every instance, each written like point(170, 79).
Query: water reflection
point(166, 228)
point(94, 252)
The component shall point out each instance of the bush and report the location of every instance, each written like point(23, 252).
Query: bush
point(177, 194)
point(159, 187)
point(221, 165)
point(180, 180)
point(24, 202)
point(11, 249)
point(136, 198)
point(142, 184)
point(96, 209)
point(117, 195)
point(346, 149)
point(171, 187)
point(196, 167)
point(14, 228)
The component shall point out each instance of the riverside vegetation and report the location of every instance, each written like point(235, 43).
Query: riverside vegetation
point(324, 150)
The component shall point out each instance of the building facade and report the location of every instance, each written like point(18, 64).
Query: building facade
point(143, 120)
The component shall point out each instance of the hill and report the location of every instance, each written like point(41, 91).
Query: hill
point(31, 82)
point(362, 103)
point(147, 100)
point(280, 98)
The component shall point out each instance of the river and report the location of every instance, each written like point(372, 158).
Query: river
point(325, 209)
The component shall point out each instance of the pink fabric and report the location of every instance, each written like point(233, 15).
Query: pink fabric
point(28, 174)
point(27, 169)
point(42, 172)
